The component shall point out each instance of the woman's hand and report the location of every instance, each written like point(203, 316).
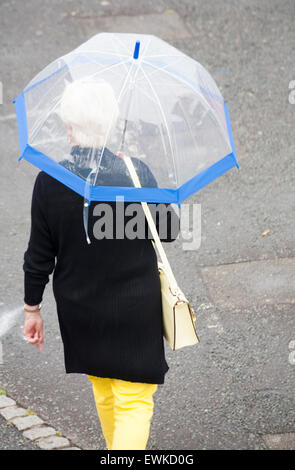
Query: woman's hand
point(33, 329)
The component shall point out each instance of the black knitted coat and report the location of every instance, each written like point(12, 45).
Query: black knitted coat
point(107, 293)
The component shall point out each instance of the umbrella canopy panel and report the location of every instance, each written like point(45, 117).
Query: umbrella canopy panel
point(171, 115)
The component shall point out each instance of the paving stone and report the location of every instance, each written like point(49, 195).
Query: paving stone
point(6, 401)
point(253, 282)
point(37, 432)
point(53, 442)
point(71, 448)
point(9, 413)
point(12, 439)
point(284, 441)
point(27, 422)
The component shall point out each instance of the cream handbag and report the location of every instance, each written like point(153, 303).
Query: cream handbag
point(179, 321)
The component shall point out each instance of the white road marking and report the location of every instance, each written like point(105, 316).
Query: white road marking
point(7, 321)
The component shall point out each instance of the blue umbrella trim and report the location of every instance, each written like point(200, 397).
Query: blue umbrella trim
point(110, 193)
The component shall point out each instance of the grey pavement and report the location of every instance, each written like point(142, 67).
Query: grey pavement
point(235, 390)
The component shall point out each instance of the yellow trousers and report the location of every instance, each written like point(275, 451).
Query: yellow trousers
point(125, 410)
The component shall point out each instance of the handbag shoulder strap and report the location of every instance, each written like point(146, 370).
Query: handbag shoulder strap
point(152, 226)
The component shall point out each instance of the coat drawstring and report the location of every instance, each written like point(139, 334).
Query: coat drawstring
point(86, 204)
point(90, 180)
point(85, 218)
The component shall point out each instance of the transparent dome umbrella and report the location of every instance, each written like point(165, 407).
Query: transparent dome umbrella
point(172, 117)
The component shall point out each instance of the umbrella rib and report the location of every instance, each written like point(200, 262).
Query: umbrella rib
point(36, 128)
point(109, 127)
point(200, 94)
point(118, 99)
point(66, 71)
point(150, 98)
point(187, 123)
point(165, 122)
point(159, 68)
point(122, 60)
point(100, 52)
point(120, 42)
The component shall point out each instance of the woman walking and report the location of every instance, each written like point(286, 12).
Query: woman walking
point(107, 293)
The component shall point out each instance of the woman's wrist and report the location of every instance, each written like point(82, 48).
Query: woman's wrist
point(32, 308)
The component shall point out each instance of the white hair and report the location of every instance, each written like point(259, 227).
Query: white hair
point(91, 109)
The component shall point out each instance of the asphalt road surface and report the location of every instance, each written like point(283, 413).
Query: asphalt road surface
point(237, 385)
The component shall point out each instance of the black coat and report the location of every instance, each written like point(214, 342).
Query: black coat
point(107, 293)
